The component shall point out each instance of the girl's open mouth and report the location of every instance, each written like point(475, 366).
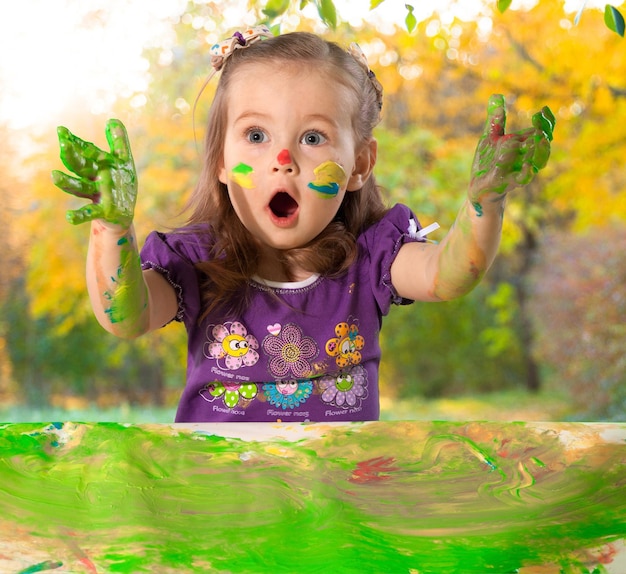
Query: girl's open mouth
point(283, 206)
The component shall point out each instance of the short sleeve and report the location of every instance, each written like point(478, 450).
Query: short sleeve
point(173, 256)
point(381, 243)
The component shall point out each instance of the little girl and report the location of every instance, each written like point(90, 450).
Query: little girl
point(289, 258)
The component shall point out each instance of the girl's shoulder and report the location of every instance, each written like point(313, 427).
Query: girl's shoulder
point(398, 224)
point(379, 245)
point(192, 242)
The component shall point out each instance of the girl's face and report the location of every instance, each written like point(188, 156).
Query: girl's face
point(290, 153)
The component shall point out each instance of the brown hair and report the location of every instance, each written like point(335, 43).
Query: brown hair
point(234, 253)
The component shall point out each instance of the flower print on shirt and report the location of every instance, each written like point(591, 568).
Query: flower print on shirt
point(291, 352)
point(346, 346)
point(288, 394)
point(344, 389)
point(230, 393)
point(231, 344)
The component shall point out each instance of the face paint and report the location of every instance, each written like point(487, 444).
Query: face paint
point(284, 157)
point(329, 177)
point(241, 175)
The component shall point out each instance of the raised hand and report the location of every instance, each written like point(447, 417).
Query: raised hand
point(108, 179)
point(502, 161)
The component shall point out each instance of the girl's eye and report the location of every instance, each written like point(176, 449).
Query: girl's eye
point(256, 136)
point(313, 138)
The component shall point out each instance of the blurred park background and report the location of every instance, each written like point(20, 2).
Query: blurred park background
point(542, 338)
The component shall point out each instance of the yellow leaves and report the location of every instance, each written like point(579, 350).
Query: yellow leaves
point(589, 181)
point(172, 180)
point(56, 281)
point(53, 250)
point(593, 199)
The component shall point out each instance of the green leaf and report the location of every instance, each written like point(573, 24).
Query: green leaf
point(375, 3)
point(503, 5)
point(328, 12)
point(410, 19)
point(614, 20)
point(275, 8)
point(303, 3)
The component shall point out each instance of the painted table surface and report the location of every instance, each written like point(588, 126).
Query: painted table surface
point(380, 497)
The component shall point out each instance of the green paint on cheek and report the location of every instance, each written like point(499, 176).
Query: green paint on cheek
point(241, 175)
point(329, 178)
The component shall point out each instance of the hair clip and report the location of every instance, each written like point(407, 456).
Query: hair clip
point(222, 50)
point(355, 51)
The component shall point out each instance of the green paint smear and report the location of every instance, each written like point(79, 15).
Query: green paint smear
point(382, 497)
point(41, 567)
point(478, 208)
point(129, 287)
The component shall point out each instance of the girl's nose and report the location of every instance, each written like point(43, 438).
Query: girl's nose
point(284, 162)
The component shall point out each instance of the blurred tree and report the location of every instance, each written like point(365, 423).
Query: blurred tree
point(579, 312)
point(54, 364)
point(10, 259)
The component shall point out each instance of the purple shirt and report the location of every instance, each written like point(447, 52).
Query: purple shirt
point(310, 354)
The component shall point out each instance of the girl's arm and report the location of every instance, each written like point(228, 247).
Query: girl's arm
point(126, 300)
point(452, 268)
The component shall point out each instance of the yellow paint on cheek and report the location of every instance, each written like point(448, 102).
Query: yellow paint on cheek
point(241, 174)
point(329, 179)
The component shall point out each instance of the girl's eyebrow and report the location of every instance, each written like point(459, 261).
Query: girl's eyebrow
point(327, 119)
point(248, 115)
point(254, 115)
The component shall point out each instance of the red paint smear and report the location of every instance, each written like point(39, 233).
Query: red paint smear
point(284, 157)
point(372, 470)
point(89, 565)
point(80, 553)
point(607, 554)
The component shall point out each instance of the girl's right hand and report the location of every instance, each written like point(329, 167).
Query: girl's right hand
point(109, 179)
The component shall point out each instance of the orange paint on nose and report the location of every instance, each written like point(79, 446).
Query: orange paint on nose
point(284, 157)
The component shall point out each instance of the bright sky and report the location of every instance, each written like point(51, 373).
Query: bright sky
point(57, 53)
point(60, 57)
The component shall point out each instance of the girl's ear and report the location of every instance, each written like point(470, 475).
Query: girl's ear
point(221, 173)
point(363, 165)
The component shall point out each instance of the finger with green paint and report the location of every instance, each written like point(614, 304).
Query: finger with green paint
point(502, 161)
point(108, 179)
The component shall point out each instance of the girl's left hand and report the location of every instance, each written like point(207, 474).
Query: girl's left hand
point(107, 178)
point(502, 161)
